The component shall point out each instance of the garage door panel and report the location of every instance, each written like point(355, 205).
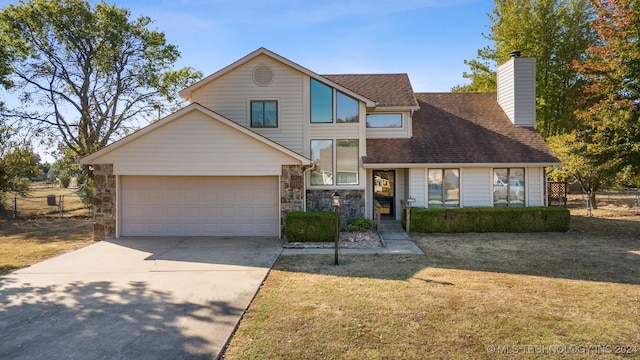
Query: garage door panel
point(206, 206)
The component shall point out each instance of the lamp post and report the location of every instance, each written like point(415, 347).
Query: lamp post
point(335, 202)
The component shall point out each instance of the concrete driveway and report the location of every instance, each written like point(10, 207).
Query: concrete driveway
point(133, 298)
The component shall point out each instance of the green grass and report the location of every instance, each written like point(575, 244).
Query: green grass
point(470, 294)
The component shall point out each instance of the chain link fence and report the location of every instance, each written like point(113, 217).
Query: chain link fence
point(47, 205)
point(617, 202)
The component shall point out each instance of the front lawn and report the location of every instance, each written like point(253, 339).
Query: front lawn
point(543, 295)
point(25, 242)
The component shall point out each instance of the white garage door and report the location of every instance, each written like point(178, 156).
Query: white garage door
point(199, 206)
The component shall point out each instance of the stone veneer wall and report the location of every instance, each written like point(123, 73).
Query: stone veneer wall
point(352, 203)
point(291, 190)
point(104, 202)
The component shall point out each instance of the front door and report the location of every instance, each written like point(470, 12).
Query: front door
point(384, 191)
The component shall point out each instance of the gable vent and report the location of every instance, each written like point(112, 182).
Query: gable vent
point(263, 75)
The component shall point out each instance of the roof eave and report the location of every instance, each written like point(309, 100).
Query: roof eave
point(89, 159)
point(390, 108)
point(456, 165)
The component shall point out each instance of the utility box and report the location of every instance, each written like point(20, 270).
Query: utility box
point(51, 200)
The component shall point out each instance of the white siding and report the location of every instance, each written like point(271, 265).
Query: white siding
point(196, 144)
point(418, 185)
point(392, 133)
point(517, 90)
point(334, 131)
point(476, 186)
point(535, 186)
point(230, 94)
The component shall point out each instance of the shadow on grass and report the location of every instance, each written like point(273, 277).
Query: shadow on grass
point(97, 320)
point(595, 249)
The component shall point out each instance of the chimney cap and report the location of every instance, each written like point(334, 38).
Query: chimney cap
point(515, 53)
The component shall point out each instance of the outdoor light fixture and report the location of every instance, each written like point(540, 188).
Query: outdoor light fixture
point(410, 201)
point(335, 201)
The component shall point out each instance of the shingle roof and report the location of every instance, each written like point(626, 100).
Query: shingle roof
point(385, 89)
point(464, 128)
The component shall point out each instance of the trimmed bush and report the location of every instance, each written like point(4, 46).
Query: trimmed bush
point(502, 219)
point(309, 226)
point(359, 224)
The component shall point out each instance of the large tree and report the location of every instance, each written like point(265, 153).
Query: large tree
point(610, 116)
point(555, 32)
point(87, 74)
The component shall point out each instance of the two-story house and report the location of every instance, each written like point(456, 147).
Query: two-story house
point(265, 136)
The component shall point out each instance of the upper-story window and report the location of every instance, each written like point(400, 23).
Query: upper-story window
point(264, 113)
point(323, 99)
point(321, 102)
point(391, 120)
point(347, 108)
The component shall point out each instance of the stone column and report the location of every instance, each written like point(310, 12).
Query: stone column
point(291, 190)
point(104, 202)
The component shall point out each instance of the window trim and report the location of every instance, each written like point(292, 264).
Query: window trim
point(443, 189)
point(250, 111)
point(333, 162)
point(509, 200)
point(334, 159)
point(334, 105)
point(402, 122)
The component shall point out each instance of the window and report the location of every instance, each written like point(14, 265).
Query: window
point(264, 114)
point(346, 162)
point(346, 109)
point(321, 102)
point(384, 120)
point(323, 98)
point(508, 187)
point(322, 156)
point(444, 187)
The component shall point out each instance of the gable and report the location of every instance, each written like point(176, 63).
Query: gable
point(187, 93)
point(195, 142)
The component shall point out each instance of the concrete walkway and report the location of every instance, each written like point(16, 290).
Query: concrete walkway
point(395, 241)
point(133, 298)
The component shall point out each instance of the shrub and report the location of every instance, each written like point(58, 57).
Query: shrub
point(359, 224)
point(310, 226)
point(86, 193)
point(531, 219)
point(65, 181)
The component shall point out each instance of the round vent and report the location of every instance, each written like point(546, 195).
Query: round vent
point(263, 75)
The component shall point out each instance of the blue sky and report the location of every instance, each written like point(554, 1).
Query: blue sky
point(428, 39)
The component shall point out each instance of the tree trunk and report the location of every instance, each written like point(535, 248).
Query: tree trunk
point(592, 198)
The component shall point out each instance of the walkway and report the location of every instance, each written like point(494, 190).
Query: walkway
point(395, 241)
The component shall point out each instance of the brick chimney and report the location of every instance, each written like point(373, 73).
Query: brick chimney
point(517, 89)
